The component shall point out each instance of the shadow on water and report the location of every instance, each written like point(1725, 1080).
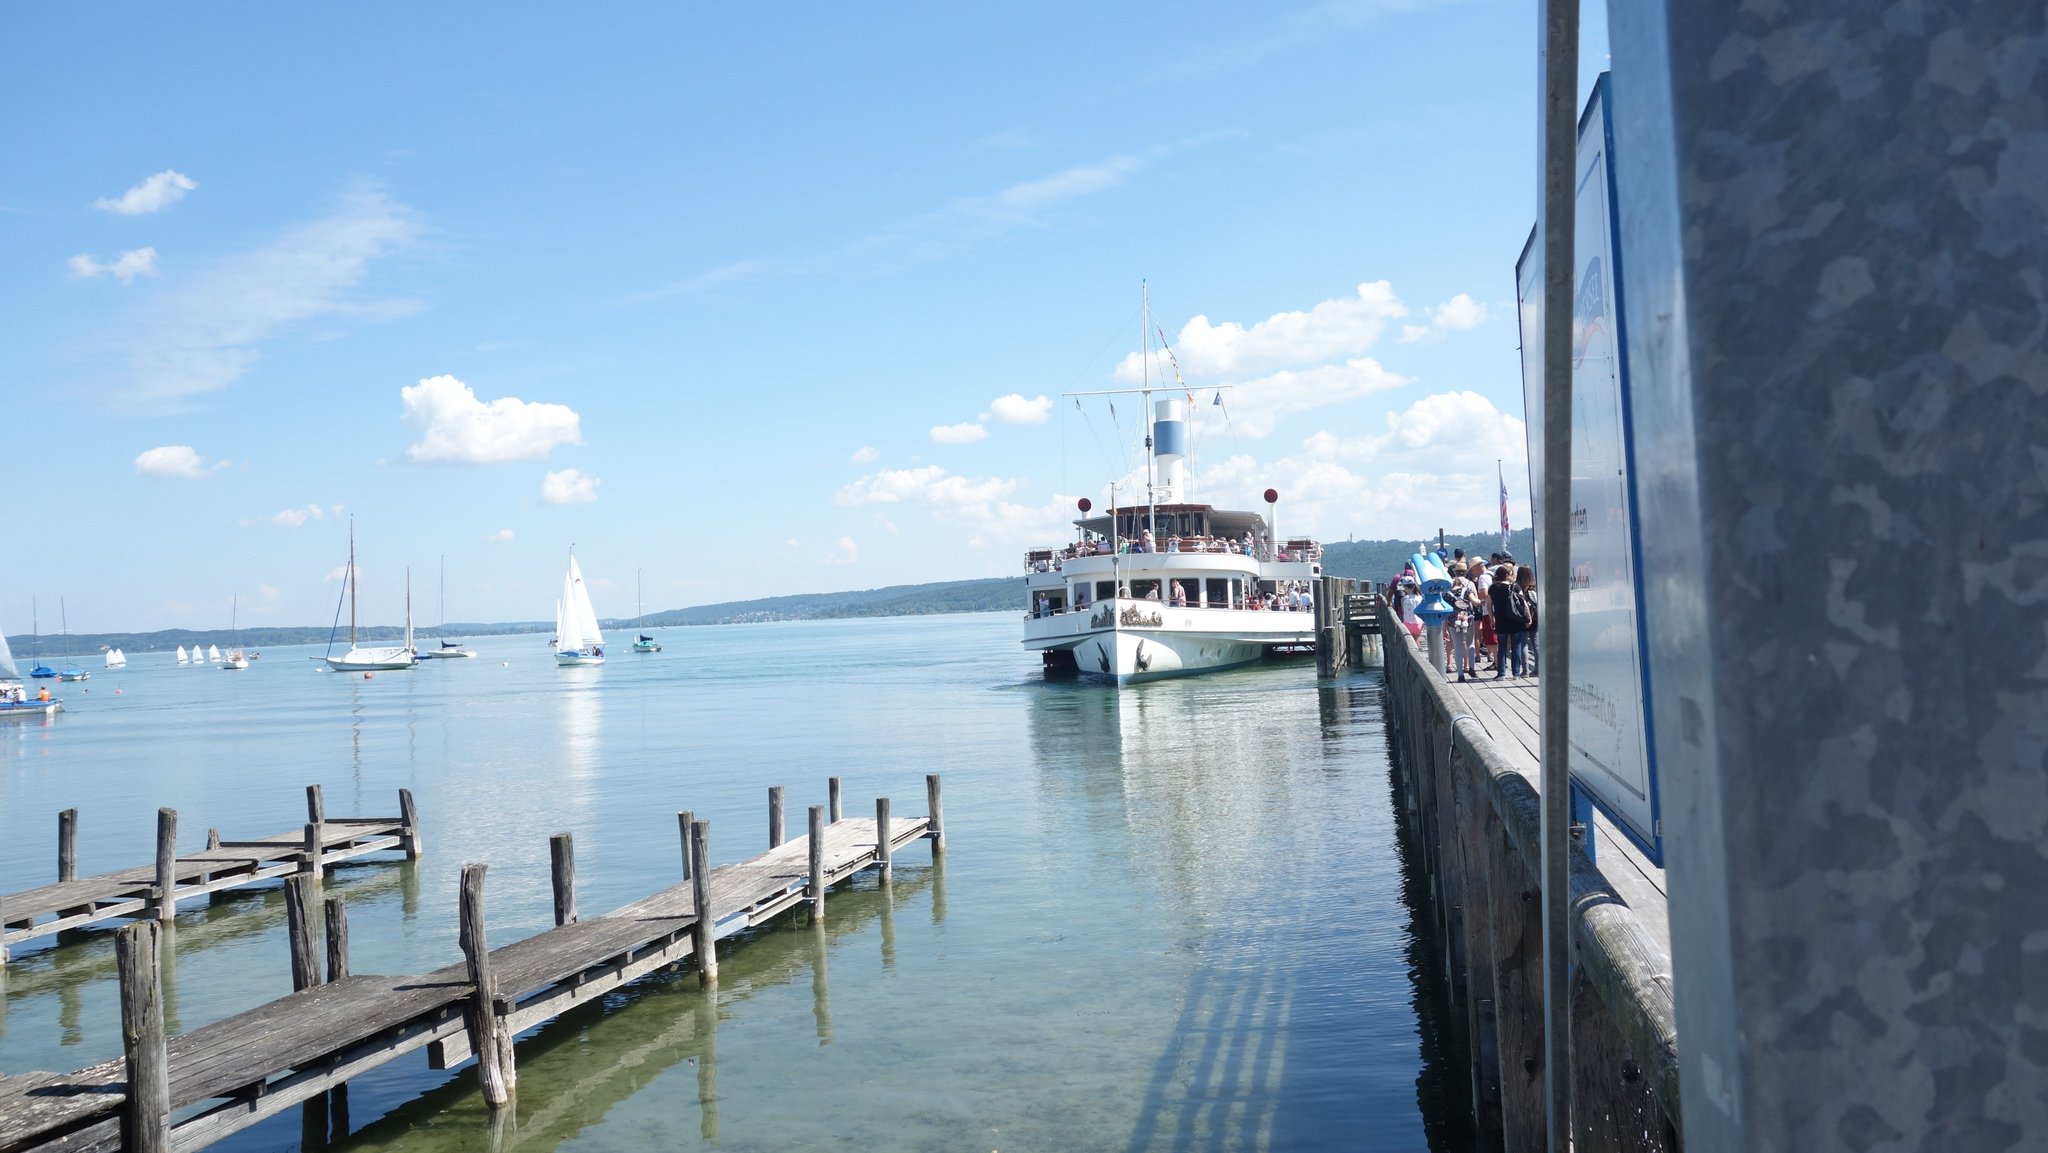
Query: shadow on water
point(1443, 1086)
point(576, 1068)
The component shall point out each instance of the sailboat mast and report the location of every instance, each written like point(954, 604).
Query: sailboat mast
point(351, 583)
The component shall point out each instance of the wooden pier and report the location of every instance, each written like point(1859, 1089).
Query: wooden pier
point(1467, 774)
point(1347, 625)
point(75, 902)
point(226, 1076)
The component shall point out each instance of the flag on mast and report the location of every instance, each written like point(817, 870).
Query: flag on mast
point(1503, 505)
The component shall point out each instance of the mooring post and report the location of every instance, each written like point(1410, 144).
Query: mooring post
point(138, 955)
point(312, 850)
point(882, 836)
point(488, 1037)
point(409, 826)
point(686, 822)
point(562, 856)
point(316, 806)
point(212, 843)
point(938, 820)
point(832, 795)
point(166, 864)
point(704, 932)
point(337, 937)
point(816, 889)
point(67, 845)
point(301, 897)
point(775, 816)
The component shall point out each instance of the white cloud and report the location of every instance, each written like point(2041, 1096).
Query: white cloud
point(866, 454)
point(499, 537)
point(845, 552)
point(1340, 327)
point(569, 486)
point(1460, 312)
point(294, 517)
point(206, 333)
point(1457, 314)
point(124, 268)
point(160, 191)
point(457, 427)
point(340, 573)
point(177, 460)
point(929, 485)
point(1433, 466)
point(1256, 406)
point(966, 432)
point(1014, 409)
point(887, 525)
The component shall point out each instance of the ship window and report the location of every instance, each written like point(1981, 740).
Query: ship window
point(1105, 590)
point(1144, 590)
point(1218, 591)
point(1081, 597)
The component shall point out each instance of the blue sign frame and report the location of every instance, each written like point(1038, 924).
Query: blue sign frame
point(1613, 739)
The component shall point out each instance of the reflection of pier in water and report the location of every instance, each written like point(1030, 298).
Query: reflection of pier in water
point(1254, 805)
point(576, 1068)
point(83, 958)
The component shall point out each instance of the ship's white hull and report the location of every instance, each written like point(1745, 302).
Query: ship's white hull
point(21, 711)
point(372, 660)
point(578, 658)
point(1133, 642)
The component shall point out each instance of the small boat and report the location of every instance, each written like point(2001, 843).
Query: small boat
point(64, 633)
point(448, 650)
point(213, 654)
point(74, 675)
point(15, 702)
point(358, 659)
point(116, 659)
point(182, 658)
point(578, 640)
point(235, 659)
point(645, 643)
point(40, 671)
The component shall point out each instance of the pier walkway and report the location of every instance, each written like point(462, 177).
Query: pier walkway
point(75, 902)
point(228, 1075)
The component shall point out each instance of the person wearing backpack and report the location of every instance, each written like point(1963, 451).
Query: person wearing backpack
point(1510, 619)
point(1461, 627)
point(1525, 583)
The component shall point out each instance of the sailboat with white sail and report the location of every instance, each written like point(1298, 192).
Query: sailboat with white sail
point(116, 659)
point(236, 659)
point(182, 658)
point(359, 659)
point(14, 699)
point(578, 640)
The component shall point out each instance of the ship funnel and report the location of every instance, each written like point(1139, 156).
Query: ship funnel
point(1169, 449)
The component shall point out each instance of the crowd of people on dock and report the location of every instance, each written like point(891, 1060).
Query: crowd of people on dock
point(1493, 614)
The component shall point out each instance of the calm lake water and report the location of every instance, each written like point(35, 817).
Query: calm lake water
point(1174, 916)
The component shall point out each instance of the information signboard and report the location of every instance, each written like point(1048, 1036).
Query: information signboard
point(1612, 754)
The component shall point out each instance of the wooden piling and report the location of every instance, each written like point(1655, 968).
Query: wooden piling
point(316, 806)
point(301, 897)
point(938, 826)
point(816, 889)
point(686, 822)
point(705, 930)
point(146, 1121)
point(774, 816)
point(496, 1073)
point(312, 850)
point(67, 845)
point(409, 832)
point(562, 857)
point(832, 795)
point(337, 937)
point(882, 838)
point(166, 864)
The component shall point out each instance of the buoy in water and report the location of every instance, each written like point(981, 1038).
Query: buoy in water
point(366, 676)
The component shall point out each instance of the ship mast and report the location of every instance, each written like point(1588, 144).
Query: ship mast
point(1145, 379)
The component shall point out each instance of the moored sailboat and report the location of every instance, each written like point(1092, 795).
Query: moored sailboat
point(448, 649)
point(236, 659)
point(182, 658)
point(643, 643)
point(578, 640)
point(116, 659)
point(358, 659)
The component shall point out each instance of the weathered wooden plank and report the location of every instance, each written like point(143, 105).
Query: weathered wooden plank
point(337, 937)
point(495, 1072)
point(301, 897)
point(774, 816)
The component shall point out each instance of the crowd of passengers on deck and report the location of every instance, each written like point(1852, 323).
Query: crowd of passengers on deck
point(1095, 544)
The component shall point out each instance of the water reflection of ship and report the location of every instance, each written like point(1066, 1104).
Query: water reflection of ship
point(575, 1069)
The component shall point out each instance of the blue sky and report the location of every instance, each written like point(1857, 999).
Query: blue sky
point(747, 301)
